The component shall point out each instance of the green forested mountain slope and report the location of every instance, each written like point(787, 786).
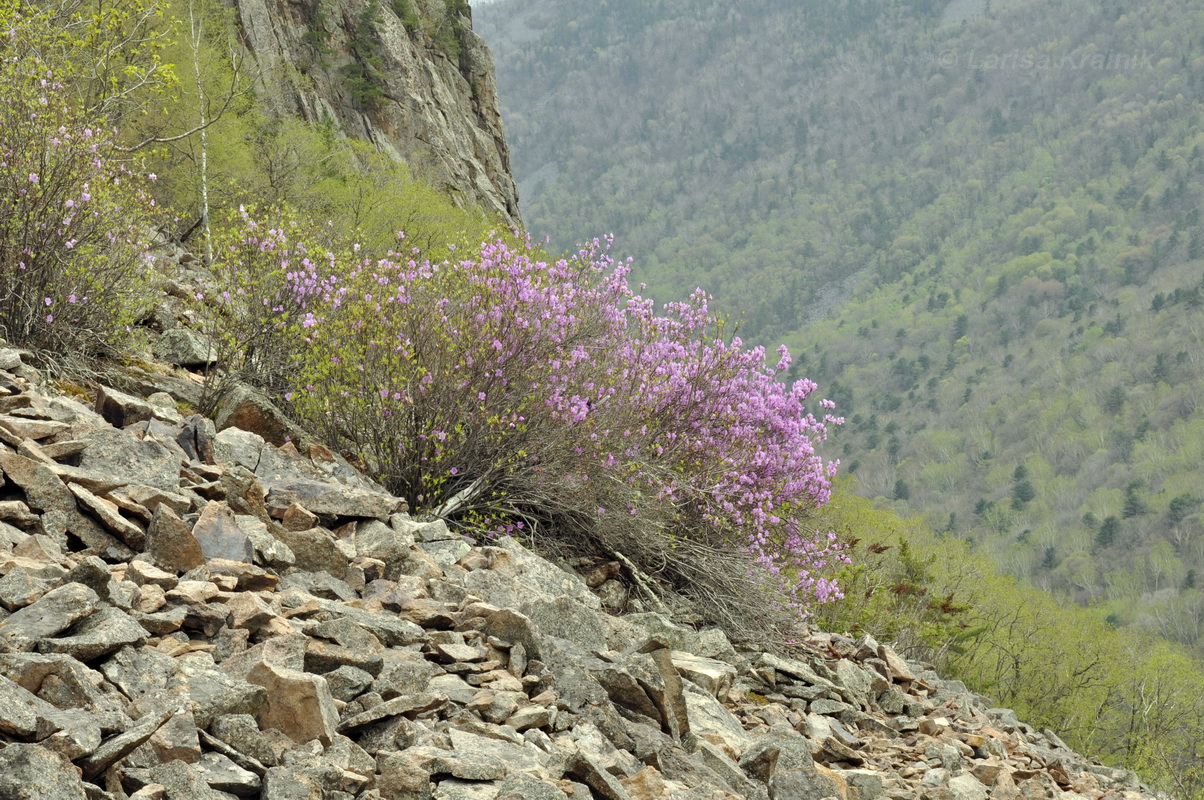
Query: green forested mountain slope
point(984, 236)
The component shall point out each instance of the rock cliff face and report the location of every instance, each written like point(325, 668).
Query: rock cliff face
point(189, 613)
point(422, 88)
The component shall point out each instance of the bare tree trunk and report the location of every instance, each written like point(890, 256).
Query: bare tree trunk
point(196, 29)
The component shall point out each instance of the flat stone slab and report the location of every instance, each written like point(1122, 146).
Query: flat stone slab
point(53, 613)
point(30, 771)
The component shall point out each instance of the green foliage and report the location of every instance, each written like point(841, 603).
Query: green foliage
point(1022, 493)
point(114, 50)
point(448, 27)
point(1108, 531)
point(1135, 504)
point(1181, 506)
point(404, 9)
point(362, 76)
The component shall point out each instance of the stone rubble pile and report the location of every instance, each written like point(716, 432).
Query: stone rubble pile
point(194, 614)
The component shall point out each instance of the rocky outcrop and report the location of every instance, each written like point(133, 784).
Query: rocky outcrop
point(430, 97)
point(191, 613)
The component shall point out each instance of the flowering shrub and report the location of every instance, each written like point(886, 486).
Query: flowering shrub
point(549, 398)
point(268, 281)
point(72, 220)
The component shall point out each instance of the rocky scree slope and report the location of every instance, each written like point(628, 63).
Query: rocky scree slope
point(201, 609)
point(435, 110)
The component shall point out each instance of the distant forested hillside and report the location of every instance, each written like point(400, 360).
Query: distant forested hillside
point(979, 222)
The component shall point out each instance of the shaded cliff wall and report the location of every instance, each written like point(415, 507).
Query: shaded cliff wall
point(422, 89)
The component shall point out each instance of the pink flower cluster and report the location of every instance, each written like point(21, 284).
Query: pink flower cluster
point(456, 379)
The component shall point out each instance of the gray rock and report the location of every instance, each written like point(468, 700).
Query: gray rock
point(802, 782)
point(17, 513)
point(518, 757)
point(532, 717)
point(391, 631)
point(320, 584)
point(316, 550)
point(97, 635)
point(825, 706)
point(223, 774)
point(1005, 718)
point(139, 672)
point(711, 675)
point(63, 682)
point(182, 780)
point(219, 535)
point(247, 577)
point(151, 498)
point(322, 656)
point(141, 461)
point(19, 427)
point(144, 382)
point(794, 669)
point(240, 406)
point(241, 732)
point(859, 684)
point(292, 783)
point(236, 446)
point(534, 574)
point(729, 772)
point(892, 701)
point(164, 408)
point(410, 704)
point(269, 550)
point(584, 767)
point(196, 438)
point(143, 574)
point(514, 628)
point(291, 478)
point(53, 613)
point(27, 580)
point(117, 747)
point(375, 539)
point(434, 761)
point(710, 720)
point(774, 752)
point(332, 500)
point(44, 491)
point(94, 573)
point(185, 347)
point(524, 787)
point(214, 693)
point(79, 733)
point(120, 409)
point(863, 784)
point(30, 772)
point(107, 514)
point(455, 789)
point(347, 682)
point(456, 689)
point(966, 787)
point(176, 740)
point(565, 618)
point(945, 755)
point(446, 552)
point(299, 705)
point(21, 712)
